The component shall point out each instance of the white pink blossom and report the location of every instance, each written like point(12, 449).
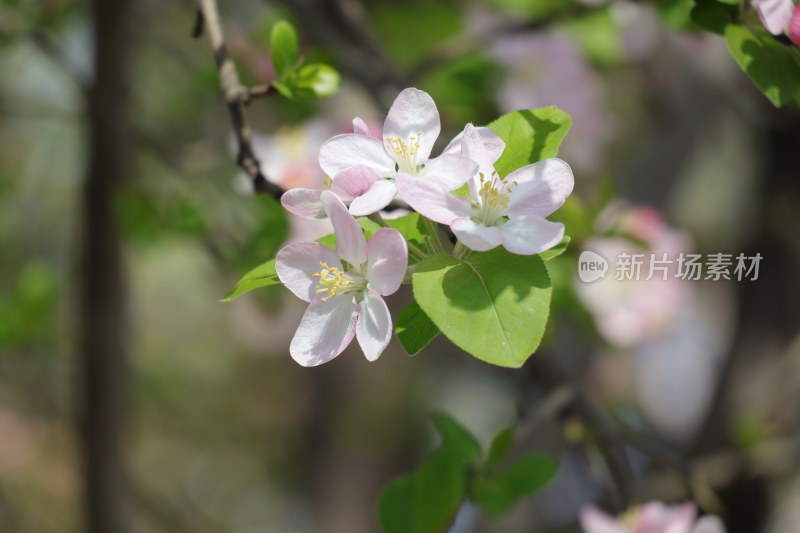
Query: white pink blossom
point(344, 287)
point(654, 517)
point(506, 211)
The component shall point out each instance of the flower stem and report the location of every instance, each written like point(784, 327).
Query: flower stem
point(434, 233)
point(460, 251)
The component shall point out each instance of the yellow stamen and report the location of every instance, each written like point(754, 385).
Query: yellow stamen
point(406, 151)
point(331, 280)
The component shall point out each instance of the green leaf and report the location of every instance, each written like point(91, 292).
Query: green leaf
point(498, 493)
point(493, 305)
point(261, 276)
point(414, 329)
point(500, 447)
point(412, 227)
point(556, 250)
point(285, 48)
point(773, 67)
point(427, 500)
point(530, 136)
point(317, 81)
point(713, 16)
point(283, 88)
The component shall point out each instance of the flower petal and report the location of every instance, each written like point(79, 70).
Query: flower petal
point(352, 182)
point(794, 26)
point(374, 326)
point(709, 524)
point(539, 189)
point(325, 331)
point(472, 146)
point(476, 236)
point(349, 150)
point(360, 127)
point(450, 171)
point(413, 113)
point(775, 15)
point(491, 141)
point(379, 195)
point(387, 260)
point(297, 263)
point(594, 520)
point(350, 242)
point(531, 234)
point(303, 203)
point(430, 200)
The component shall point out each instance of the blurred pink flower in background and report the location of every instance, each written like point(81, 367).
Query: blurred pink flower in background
point(654, 517)
point(628, 312)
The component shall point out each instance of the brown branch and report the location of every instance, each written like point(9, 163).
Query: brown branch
point(236, 97)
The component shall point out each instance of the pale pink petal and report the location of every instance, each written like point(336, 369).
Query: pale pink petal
point(352, 182)
point(379, 195)
point(709, 524)
point(350, 150)
point(360, 127)
point(476, 236)
point(680, 519)
point(413, 113)
point(374, 327)
point(430, 200)
point(303, 203)
point(350, 242)
point(387, 260)
point(530, 234)
point(539, 189)
point(491, 141)
point(594, 520)
point(472, 147)
point(775, 15)
point(450, 171)
point(794, 26)
point(325, 331)
point(297, 263)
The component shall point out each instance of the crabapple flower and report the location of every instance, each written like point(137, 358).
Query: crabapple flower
point(780, 16)
point(655, 517)
point(409, 132)
point(344, 287)
point(506, 211)
point(358, 187)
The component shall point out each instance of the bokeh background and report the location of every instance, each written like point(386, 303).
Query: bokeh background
point(215, 429)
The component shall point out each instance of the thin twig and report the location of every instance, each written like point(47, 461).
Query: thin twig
point(236, 98)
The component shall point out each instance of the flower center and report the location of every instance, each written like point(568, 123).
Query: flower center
point(334, 281)
point(629, 518)
point(406, 152)
point(493, 197)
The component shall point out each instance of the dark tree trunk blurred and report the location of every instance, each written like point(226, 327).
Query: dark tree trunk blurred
point(103, 363)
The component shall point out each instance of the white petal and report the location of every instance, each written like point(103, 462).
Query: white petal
point(595, 521)
point(350, 150)
point(325, 330)
point(709, 524)
point(413, 113)
point(775, 15)
point(350, 242)
point(379, 195)
point(303, 203)
point(449, 171)
point(352, 182)
point(472, 147)
point(360, 127)
point(430, 200)
point(374, 327)
point(297, 263)
point(530, 234)
point(387, 260)
point(491, 141)
point(476, 236)
point(539, 189)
